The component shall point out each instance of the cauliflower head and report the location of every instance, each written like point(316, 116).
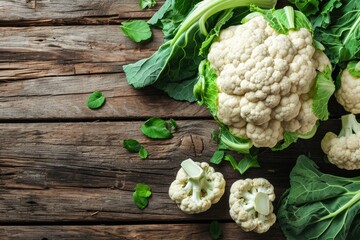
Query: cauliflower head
point(197, 186)
point(251, 204)
point(266, 82)
point(343, 150)
point(348, 94)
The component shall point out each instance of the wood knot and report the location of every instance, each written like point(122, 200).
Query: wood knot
point(192, 143)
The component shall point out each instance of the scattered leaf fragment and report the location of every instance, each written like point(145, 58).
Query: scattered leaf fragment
point(96, 100)
point(132, 145)
point(143, 153)
point(172, 124)
point(215, 230)
point(156, 128)
point(137, 30)
point(141, 195)
point(147, 3)
point(217, 157)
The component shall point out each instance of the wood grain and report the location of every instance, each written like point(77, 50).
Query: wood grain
point(34, 52)
point(192, 231)
point(45, 12)
point(68, 171)
point(59, 98)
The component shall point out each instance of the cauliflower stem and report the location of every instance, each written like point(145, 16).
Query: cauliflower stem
point(197, 181)
point(343, 149)
point(349, 125)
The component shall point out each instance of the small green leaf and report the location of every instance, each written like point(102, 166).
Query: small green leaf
point(132, 145)
point(141, 195)
point(172, 124)
point(354, 68)
point(143, 153)
point(143, 190)
point(217, 157)
point(140, 202)
point(232, 161)
point(156, 128)
point(96, 100)
point(147, 3)
point(247, 162)
point(136, 30)
point(215, 230)
point(215, 136)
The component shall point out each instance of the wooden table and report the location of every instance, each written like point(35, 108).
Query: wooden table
point(63, 171)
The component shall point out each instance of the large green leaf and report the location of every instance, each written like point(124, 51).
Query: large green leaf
point(341, 37)
point(319, 205)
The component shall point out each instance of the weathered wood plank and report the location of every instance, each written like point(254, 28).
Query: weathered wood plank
point(65, 98)
point(68, 50)
point(67, 11)
point(80, 172)
point(144, 231)
point(64, 65)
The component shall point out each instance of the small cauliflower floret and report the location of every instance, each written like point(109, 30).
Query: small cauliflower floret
point(251, 204)
point(197, 186)
point(348, 95)
point(344, 150)
point(262, 76)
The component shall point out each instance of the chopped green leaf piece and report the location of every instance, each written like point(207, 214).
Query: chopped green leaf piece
point(137, 30)
point(132, 145)
point(247, 162)
point(143, 190)
point(215, 230)
point(172, 124)
point(141, 195)
point(96, 100)
point(143, 153)
point(147, 3)
point(217, 157)
point(232, 161)
point(141, 202)
point(156, 128)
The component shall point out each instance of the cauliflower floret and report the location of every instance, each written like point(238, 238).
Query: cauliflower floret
point(348, 95)
point(266, 135)
point(344, 150)
point(305, 120)
point(197, 186)
point(262, 76)
point(251, 204)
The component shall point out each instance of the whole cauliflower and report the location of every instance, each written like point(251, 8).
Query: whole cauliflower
point(348, 94)
point(344, 150)
point(197, 186)
point(251, 204)
point(266, 82)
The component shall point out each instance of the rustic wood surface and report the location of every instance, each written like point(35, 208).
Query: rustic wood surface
point(63, 171)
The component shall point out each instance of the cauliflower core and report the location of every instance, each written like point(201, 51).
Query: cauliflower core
point(197, 186)
point(348, 95)
point(264, 80)
point(251, 204)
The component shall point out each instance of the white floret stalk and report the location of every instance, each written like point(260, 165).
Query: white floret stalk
point(207, 8)
point(197, 180)
point(349, 125)
point(257, 200)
